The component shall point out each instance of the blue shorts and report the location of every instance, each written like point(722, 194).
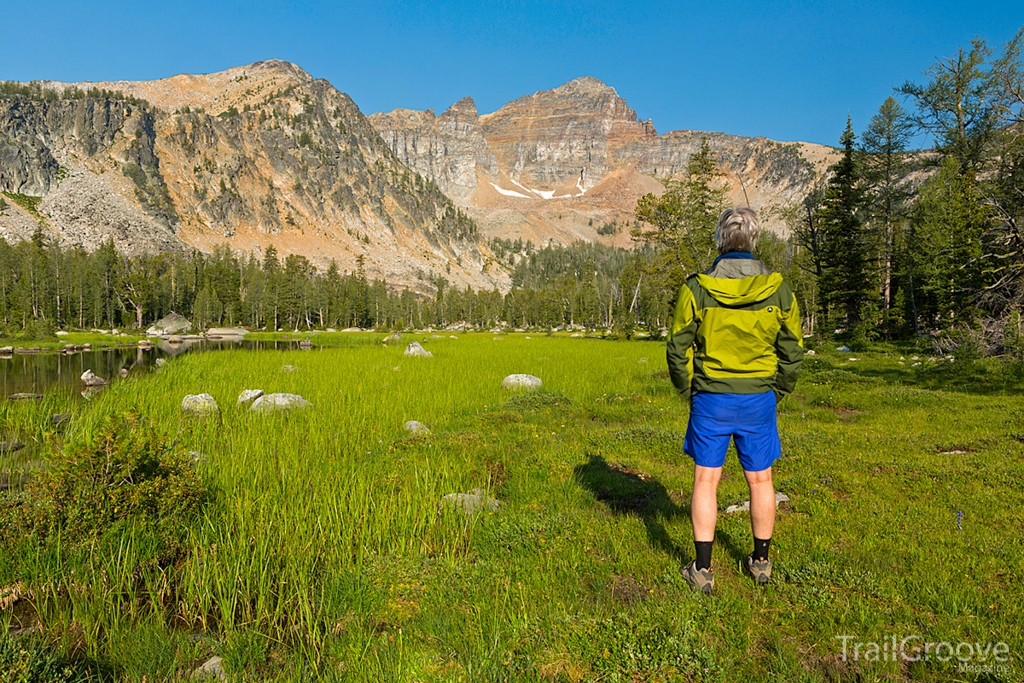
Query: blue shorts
point(749, 419)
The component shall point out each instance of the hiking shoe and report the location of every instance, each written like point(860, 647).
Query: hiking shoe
point(761, 570)
point(701, 579)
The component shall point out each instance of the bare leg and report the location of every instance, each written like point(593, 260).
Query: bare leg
point(762, 503)
point(704, 505)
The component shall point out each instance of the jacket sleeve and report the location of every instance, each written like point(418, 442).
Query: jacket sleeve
point(789, 348)
point(680, 342)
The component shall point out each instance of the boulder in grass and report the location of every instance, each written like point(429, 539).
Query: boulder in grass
point(306, 344)
point(414, 349)
point(393, 337)
point(172, 323)
point(160, 362)
point(416, 427)
point(521, 381)
point(210, 669)
point(474, 501)
point(93, 380)
point(269, 403)
point(199, 404)
point(249, 395)
point(289, 368)
point(780, 497)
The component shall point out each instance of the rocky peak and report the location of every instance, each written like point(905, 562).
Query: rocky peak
point(461, 119)
point(464, 108)
point(236, 87)
point(585, 85)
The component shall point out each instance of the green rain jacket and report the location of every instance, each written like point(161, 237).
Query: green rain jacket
point(736, 330)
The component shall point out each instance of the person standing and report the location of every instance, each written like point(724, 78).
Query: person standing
point(734, 351)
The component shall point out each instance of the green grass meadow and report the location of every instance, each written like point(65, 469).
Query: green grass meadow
point(323, 551)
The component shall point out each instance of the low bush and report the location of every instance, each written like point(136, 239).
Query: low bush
point(126, 472)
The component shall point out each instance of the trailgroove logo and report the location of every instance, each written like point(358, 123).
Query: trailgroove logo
point(972, 657)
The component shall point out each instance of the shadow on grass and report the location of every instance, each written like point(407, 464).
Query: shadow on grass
point(627, 491)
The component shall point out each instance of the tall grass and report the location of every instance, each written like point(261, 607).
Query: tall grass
point(328, 554)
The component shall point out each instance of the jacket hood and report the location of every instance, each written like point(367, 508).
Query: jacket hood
point(741, 291)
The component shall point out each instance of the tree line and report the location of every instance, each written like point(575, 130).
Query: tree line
point(44, 287)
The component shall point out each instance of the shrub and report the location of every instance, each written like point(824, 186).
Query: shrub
point(127, 472)
point(27, 661)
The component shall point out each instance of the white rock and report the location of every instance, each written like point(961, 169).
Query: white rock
point(199, 404)
point(211, 668)
point(61, 333)
point(811, 352)
point(92, 380)
point(575, 334)
point(416, 427)
point(289, 368)
point(780, 497)
point(160, 362)
point(521, 381)
point(844, 349)
point(249, 395)
point(414, 349)
point(471, 502)
point(269, 403)
point(172, 323)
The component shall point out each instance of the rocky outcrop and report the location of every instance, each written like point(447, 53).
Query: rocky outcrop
point(450, 148)
point(573, 160)
point(250, 157)
point(553, 138)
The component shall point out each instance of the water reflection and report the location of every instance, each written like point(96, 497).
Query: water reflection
point(39, 372)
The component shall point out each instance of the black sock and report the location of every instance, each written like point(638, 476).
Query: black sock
point(703, 549)
point(761, 548)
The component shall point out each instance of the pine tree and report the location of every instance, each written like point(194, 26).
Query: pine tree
point(683, 219)
point(843, 244)
point(949, 223)
point(884, 144)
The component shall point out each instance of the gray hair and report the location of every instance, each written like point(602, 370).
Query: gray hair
point(738, 230)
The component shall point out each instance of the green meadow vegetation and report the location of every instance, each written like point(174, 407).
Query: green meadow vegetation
point(314, 544)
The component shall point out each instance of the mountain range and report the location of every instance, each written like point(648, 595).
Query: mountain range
point(265, 155)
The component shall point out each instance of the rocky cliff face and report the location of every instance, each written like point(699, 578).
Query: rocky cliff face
point(570, 160)
point(267, 155)
point(449, 148)
point(249, 157)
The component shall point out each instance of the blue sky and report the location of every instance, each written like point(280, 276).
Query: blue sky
point(785, 70)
